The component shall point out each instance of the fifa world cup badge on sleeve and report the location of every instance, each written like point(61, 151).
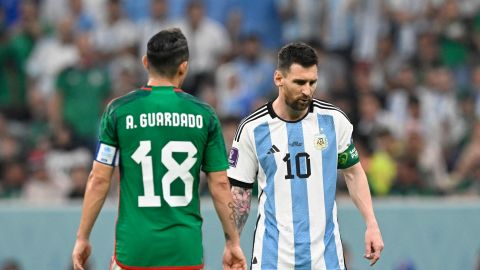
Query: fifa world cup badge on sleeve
point(233, 157)
point(320, 141)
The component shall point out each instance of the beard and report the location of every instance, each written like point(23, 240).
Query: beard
point(299, 104)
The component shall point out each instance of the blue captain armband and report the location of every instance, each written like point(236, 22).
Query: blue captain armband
point(348, 158)
point(106, 154)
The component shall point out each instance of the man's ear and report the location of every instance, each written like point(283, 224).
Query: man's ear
point(183, 68)
point(278, 78)
point(145, 62)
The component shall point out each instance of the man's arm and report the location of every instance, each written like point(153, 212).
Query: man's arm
point(360, 193)
point(223, 202)
point(242, 197)
point(97, 188)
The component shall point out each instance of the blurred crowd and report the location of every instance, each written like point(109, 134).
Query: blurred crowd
point(406, 72)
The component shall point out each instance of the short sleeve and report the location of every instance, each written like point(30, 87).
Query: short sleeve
point(108, 134)
point(215, 154)
point(242, 160)
point(345, 130)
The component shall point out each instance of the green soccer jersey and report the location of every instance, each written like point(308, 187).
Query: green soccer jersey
point(163, 138)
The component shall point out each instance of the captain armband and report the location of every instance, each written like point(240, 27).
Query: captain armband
point(348, 158)
point(107, 154)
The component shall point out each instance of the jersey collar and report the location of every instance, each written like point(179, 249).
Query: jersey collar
point(274, 115)
point(161, 88)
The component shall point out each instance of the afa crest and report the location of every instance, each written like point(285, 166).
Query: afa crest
point(320, 141)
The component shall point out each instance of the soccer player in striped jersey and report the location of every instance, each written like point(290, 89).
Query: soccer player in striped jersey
point(163, 137)
point(293, 147)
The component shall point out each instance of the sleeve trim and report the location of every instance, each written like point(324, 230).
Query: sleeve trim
point(236, 183)
point(215, 169)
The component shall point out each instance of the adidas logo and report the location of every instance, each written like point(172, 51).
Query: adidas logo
point(254, 261)
point(273, 150)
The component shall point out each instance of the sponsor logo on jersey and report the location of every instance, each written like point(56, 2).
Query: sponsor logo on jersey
point(320, 141)
point(233, 157)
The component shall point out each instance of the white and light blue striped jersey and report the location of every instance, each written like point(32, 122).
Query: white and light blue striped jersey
point(295, 164)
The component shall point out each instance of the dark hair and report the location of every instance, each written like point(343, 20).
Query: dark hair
point(166, 50)
point(296, 53)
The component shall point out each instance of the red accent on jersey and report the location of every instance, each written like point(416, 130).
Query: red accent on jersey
point(192, 267)
point(149, 88)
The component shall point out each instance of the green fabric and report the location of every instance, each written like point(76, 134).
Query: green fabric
point(348, 158)
point(166, 235)
point(13, 79)
point(84, 92)
point(452, 52)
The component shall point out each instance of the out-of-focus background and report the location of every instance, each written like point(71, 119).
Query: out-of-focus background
point(406, 72)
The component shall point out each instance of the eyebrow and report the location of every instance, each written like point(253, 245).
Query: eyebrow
point(301, 82)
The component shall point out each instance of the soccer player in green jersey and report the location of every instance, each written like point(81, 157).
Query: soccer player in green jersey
point(160, 137)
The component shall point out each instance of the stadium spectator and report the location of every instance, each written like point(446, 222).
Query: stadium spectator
point(13, 179)
point(82, 91)
point(209, 44)
point(116, 35)
point(149, 26)
point(245, 83)
point(61, 53)
point(65, 155)
point(83, 21)
point(40, 188)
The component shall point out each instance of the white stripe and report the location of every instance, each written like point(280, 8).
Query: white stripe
point(283, 199)
point(316, 201)
point(260, 230)
point(336, 232)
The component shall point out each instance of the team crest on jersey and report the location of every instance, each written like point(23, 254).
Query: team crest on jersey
point(320, 141)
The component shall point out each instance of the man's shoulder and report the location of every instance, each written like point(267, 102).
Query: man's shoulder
point(324, 107)
point(251, 120)
point(117, 102)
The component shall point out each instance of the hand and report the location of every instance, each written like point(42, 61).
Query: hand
point(233, 258)
point(80, 253)
point(373, 244)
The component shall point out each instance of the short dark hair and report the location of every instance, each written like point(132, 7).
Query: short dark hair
point(166, 50)
point(296, 53)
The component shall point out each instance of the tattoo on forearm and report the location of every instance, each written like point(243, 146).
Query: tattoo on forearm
point(227, 237)
point(240, 206)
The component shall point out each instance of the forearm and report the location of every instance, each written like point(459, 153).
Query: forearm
point(241, 205)
point(223, 202)
point(360, 193)
point(95, 194)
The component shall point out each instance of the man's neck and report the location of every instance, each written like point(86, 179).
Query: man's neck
point(162, 81)
point(285, 112)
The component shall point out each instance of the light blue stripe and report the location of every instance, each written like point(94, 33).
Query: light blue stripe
point(263, 142)
point(329, 169)
point(301, 219)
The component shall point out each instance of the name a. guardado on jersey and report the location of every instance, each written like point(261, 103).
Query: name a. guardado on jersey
point(164, 119)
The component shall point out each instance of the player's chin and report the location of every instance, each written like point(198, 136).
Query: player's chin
point(302, 104)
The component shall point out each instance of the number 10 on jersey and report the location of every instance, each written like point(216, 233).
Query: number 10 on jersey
point(174, 171)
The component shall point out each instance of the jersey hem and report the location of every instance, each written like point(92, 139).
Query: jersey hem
point(215, 169)
point(190, 267)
